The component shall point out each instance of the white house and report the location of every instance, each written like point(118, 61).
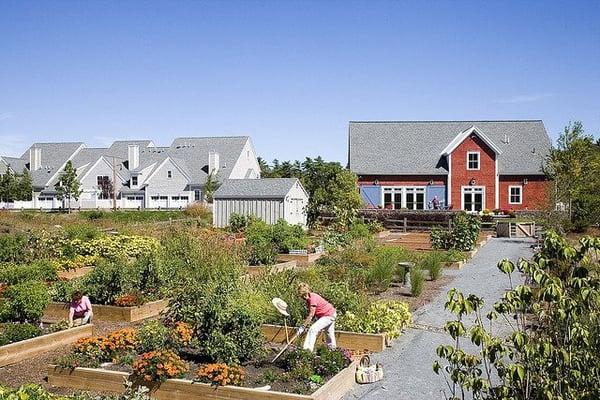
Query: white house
point(137, 172)
point(269, 199)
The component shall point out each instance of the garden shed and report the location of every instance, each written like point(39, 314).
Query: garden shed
point(269, 199)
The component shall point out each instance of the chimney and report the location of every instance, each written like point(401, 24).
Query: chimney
point(133, 156)
point(213, 162)
point(35, 158)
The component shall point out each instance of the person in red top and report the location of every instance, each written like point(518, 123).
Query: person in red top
point(325, 313)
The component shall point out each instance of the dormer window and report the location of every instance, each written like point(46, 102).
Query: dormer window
point(473, 160)
point(134, 181)
point(169, 174)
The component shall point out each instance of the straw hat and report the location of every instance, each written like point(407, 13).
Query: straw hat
point(280, 305)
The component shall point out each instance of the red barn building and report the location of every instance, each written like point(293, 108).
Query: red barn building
point(467, 165)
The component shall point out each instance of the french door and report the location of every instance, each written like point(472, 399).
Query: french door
point(473, 198)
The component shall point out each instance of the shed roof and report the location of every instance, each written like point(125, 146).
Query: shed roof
point(267, 188)
point(414, 147)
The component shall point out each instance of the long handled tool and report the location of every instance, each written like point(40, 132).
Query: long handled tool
point(285, 347)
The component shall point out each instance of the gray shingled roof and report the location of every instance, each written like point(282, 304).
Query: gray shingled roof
point(54, 156)
point(16, 164)
point(120, 148)
point(193, 152)
point(268, 188)
point(86, 158)
point(414, 147)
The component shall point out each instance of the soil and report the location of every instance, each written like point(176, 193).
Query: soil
point(430, 290)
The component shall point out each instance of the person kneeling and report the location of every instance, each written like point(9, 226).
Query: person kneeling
point(325, 313)
point(80, 309)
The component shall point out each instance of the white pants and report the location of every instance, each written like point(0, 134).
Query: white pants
point(322, 323)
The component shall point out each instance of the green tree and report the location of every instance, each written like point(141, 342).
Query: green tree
point(265, 170)
point(68, 186)
point(574, 166)
point(551, 350)
point(25, 186)
point(8, 186)
point(210, 187)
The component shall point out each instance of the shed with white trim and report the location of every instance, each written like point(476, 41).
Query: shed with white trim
point(269, 199)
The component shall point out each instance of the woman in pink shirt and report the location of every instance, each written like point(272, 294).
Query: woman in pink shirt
point(80, 308)
point(325, 313)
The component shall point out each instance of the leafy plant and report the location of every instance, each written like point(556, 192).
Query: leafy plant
point(12, 333)
point(25, 301)
point(221, 374)
point(462, 236)
point(13, 248)
point(381, 317)
point(432, 262)
point(417, 281)
point(152, 336)
point(550, 351)
point(12, 274)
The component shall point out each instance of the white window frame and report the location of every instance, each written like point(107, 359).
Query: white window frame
point(478, 160)
point(134, 184)
point(471, 189)
point(403, 190)
point(169, 174)
point(520, 187)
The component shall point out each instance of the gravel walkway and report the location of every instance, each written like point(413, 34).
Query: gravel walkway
point(407, 365)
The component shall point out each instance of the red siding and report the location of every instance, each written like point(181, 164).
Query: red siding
point(485, 176)
point(535, 192)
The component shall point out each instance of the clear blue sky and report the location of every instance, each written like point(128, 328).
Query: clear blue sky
point(289, 74)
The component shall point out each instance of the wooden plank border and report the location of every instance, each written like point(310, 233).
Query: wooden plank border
point(15, 352)
point(372, 342)
point(60, 311)
point(254, 270)
point(301, 259)
point(74, 273)
point(93, 379)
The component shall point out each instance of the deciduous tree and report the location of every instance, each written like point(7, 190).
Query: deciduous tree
point(68, 186)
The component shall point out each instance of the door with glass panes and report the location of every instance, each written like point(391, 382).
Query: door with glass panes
point(473, 198)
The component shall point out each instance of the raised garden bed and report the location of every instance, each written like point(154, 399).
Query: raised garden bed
point(301, 259)
point(57, 311)
point(254, 270)
point(93, 379)
point(74, 273)
point(373, 342)
point(15, 352)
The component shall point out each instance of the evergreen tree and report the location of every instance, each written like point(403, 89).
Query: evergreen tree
point(8, 186)
point(68, 185)
point(25, 186)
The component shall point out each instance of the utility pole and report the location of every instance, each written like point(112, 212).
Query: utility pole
point(114, 185)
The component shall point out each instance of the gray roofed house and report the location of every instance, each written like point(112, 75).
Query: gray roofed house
point(269, 199)
point(146, 176)
point(414, 147)
point(469, 165)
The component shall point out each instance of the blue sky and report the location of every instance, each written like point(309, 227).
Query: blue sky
point(289, 74)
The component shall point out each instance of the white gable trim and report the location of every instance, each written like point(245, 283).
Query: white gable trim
point(62, 167)
point(101, 158)
point(162, 164)
point(465, 134)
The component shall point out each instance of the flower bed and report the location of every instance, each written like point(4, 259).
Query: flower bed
point(14, 352)
point(169, 357)
point(57, 311)
point(373, 342)
point(94, 379)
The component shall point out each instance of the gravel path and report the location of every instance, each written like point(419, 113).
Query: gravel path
point(407, 365)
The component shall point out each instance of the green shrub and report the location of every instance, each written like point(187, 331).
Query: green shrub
point(152, 336)
point(12, 333)
point(385, 316)
point(433, 262)
point(266, 241)
point(462, 236)
point(330, 362)
point(25, 302)
point(62, 290)
point(238, 222)
point(109, 280)
point(417, 281)
point(83, 232)
point(198, 210)
point(12, 274)
point(13, 248)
